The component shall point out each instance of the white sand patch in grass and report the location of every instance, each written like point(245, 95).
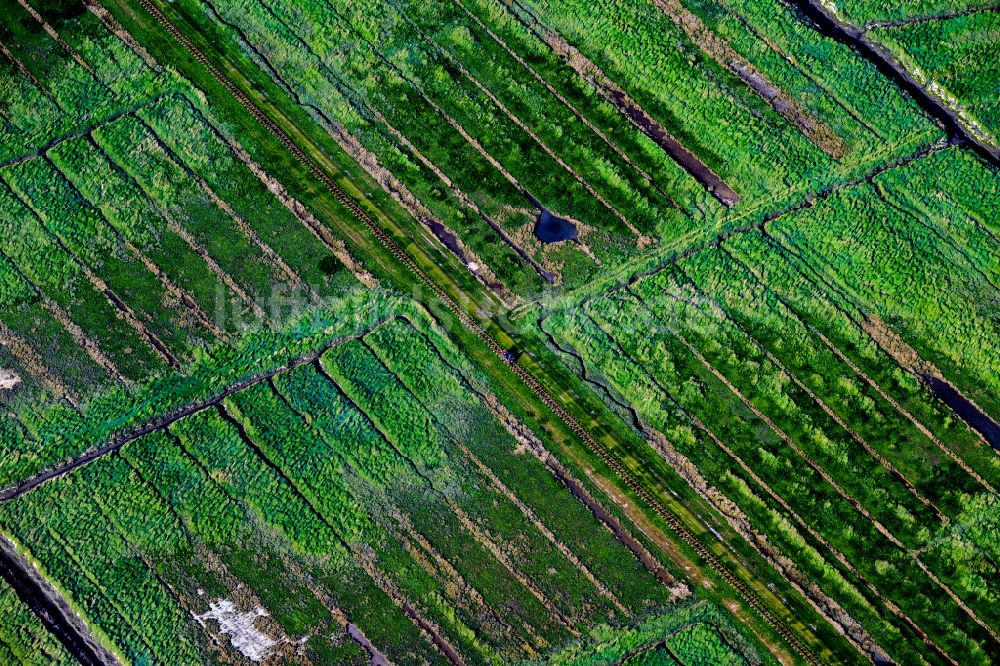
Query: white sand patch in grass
point(8, 379)
point(245, 637)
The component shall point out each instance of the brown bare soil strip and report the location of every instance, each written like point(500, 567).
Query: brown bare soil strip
point(301, 213)
point(528, 441)
point(213, 265)
point(308, 220)
point(821, 602)
point(26, 73)
point(124, 311)
point(540, 526)
point(725, 55)
point(878, 389)
point(121, 33)
point(428, 628)
point(392, 185)
point(621, 100)
point(181, 295)
point(555, 93)
point(822, 404)
point(488, 541)
point(55, 35)
point(82, 339)
point(34, 363)
point(460, 195)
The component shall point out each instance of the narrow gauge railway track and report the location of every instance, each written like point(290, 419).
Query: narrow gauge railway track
point(748, 595)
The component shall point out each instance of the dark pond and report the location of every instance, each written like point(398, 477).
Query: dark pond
point(969, 412)
point(449, 239)
point(551, 229)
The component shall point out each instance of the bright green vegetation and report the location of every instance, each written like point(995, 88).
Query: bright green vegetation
point(23, 639)
point(947, 47)
point(115, 202)
point(959, 57)
point(800, 349)
point(695, 635)
point(342, 466)
point(283, 441)
point(474, 113)
point(863, 11)
point(376, 487)
point(135, 234)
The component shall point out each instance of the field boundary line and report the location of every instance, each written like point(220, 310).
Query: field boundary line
point(22, 488)
point(834, 552)
point(886, 464)
point(742, 588)
point(861, 374)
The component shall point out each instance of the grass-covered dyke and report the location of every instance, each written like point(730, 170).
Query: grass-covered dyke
point(778, 257)
point(804, 346)
point(380, 488)
point(474, 114)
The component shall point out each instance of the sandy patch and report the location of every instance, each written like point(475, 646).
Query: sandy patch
point(245, 637)
point(8, 379)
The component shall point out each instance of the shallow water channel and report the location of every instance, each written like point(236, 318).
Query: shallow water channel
point(969, 413)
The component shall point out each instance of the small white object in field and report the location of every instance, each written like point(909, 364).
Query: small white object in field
point(245, 637)
point(8, 379)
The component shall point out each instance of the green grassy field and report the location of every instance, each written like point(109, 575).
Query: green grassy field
point(957, 57)
point(238, 426)
point(381, 489)
point(799, 347)
point(23, 639)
